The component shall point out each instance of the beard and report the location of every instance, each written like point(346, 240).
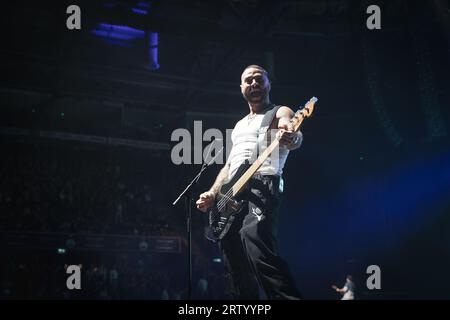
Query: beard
point(255, 96)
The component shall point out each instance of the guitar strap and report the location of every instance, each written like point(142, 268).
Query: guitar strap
point(266, 122)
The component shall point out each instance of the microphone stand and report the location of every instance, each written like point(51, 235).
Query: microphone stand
point(187, 193)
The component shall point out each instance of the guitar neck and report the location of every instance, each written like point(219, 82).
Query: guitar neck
point(240, 184)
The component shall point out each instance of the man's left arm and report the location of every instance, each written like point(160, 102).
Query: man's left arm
point(292, 140)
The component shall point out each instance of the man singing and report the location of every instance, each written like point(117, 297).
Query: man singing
point(249, 248)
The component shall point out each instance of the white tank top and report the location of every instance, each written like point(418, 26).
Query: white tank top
point(244, 138)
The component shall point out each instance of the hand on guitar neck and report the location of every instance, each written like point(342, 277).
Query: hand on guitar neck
point(287, 135)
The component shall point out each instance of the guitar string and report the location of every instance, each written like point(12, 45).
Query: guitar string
point(226, 198)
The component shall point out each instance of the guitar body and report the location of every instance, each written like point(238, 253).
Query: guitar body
point(222, 213)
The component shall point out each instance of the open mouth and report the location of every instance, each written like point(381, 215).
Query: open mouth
point(255, 93)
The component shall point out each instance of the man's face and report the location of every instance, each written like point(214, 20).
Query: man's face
point(255, 85)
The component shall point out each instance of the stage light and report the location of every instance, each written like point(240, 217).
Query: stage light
point(118, 32)
point(139, 11)
point(153, 51)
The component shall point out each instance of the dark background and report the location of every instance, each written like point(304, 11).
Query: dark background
point(370, 185)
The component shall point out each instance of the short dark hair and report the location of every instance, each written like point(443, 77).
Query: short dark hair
point(255, 66)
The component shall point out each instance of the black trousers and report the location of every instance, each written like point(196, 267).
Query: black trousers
point(250, 249)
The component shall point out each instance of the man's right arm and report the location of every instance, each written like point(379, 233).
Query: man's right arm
point(221, 177)
point(206, 199)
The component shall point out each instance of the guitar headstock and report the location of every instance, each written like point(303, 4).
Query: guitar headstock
point(303, 113)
